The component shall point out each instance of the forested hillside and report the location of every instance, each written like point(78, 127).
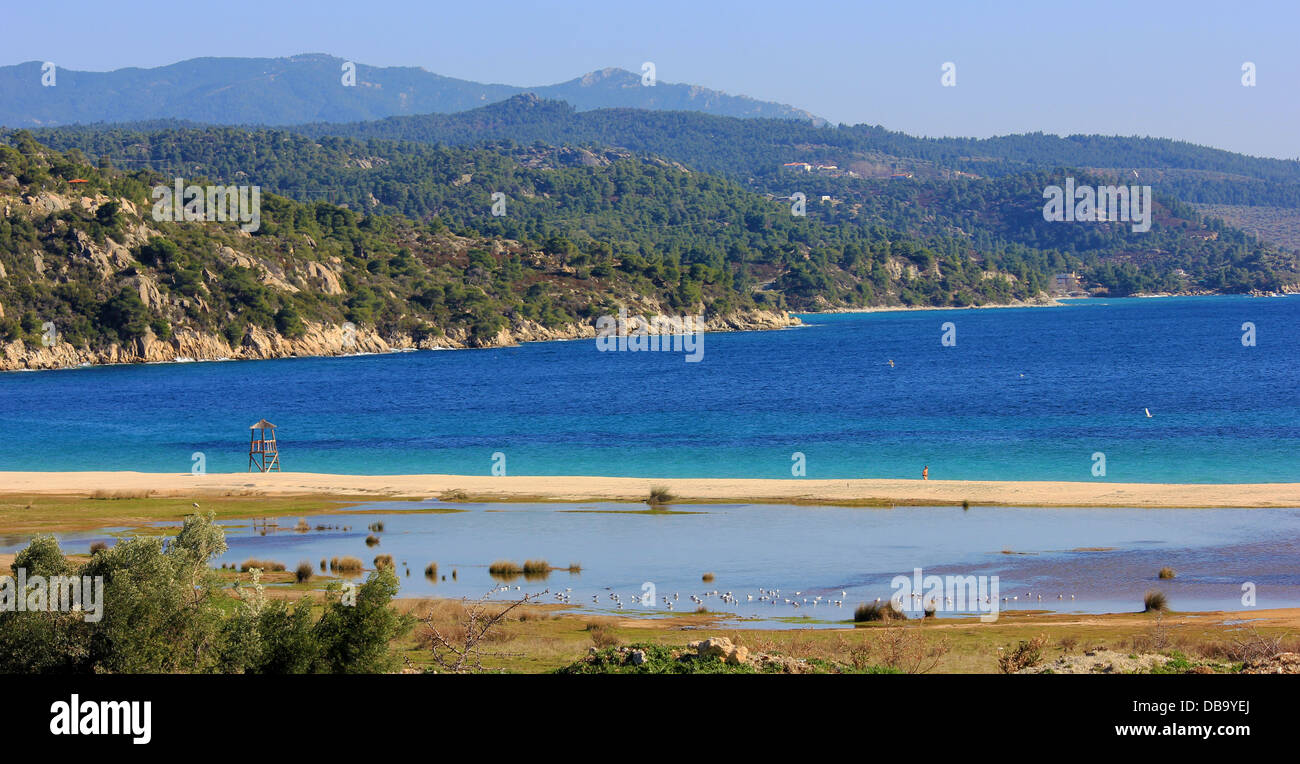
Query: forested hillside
point(758, 147)
point(88, 275)
point(613, 200)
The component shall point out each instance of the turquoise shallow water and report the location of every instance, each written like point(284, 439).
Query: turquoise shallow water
point(1026, 394)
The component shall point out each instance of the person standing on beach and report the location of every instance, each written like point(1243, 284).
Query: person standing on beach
point(925, 472)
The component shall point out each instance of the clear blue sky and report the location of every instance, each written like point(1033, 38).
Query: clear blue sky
point(1170, 69)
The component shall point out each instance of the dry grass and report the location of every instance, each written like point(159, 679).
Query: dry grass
point(536, 569)
point(870, 612)
point(372, 540)
point(303, 572)
point(384, 561)
point(545, 639)
point(1154, 601)
point(707, 578)
point(346, 565)
point(266, 566)
point(1165, 573)
point(505, 569)
point(110, 495)
point(601, 636)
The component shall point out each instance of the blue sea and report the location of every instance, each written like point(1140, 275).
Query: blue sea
point(1024, 394)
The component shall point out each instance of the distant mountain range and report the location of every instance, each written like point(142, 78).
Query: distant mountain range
point(309, 88)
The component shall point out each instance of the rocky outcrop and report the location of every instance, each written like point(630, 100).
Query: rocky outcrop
point(722, 649)
point(318, 339)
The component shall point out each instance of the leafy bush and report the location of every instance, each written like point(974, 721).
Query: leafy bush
point(164, 611)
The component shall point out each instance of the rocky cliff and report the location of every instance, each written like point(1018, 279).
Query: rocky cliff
point(328, 340)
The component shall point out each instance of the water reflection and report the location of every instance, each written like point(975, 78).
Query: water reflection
point(792, 565)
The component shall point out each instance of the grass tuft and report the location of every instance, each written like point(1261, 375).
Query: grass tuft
point(502, 569)
point(869, 612)
point(660, 494)
point(1155, 601)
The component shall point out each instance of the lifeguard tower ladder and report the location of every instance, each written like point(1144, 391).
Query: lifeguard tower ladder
point(263, 453)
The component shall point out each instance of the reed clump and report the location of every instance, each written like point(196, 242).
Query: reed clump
point(869, 612)
point(660, 495)
point(303, 572)
point(1166, 572)
point(502, 569)
point(1155, 601)
point(346, 565)
point(266, 566)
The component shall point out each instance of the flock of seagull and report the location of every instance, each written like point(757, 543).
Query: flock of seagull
point(773, 597)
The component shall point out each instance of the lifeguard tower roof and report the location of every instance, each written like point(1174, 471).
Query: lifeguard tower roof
point(262, 424)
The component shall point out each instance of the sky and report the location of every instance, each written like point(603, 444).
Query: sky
point(1165, 69)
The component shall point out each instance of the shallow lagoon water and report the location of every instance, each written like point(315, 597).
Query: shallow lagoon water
point(1106, 558)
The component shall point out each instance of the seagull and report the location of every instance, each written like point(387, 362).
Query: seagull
point(195, 505)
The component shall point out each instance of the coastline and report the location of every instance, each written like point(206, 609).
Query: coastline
point(1050, 302)
point(326, 341)
point(546, 488)
point(330, 341)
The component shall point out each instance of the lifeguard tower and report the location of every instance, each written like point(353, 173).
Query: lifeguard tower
point(262, 450)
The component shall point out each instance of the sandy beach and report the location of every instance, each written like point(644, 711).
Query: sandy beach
point(590, 488)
